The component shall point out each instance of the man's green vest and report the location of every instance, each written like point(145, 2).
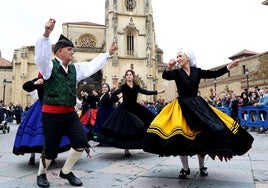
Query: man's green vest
point(60, 88)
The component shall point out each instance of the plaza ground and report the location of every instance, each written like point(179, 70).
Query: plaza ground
point(109, 168)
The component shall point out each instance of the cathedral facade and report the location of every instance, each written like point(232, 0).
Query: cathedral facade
point(130, 24)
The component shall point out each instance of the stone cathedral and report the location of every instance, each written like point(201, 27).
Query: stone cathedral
point(127, 22)
point(130, 24)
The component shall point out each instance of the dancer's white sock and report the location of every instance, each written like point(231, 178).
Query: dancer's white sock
point(42, 169)
point(71, 160)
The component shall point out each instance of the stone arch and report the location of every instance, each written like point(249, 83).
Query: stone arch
point(130, 34)
point(90, 83)
point(87, 40)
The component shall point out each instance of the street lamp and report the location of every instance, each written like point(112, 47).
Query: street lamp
point(215, 85)
point(4, 89)
point(154, 82)
point(246, 72)
point(227, 88)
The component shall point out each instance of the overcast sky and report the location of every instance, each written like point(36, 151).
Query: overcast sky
point(213, 29)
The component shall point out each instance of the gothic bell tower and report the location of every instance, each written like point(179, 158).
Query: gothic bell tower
point(130, 24)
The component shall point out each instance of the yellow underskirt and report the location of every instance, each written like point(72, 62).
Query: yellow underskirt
point(170, 122)
point(227, 120)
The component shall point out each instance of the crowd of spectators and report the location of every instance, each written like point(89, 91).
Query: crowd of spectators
point(10, 112)
point(248, 97)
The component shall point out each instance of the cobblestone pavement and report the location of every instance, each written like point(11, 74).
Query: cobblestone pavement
point(108, 168)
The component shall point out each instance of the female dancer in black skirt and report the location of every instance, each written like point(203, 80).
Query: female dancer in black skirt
point(126, 126)
point(106, 107)
point(189, 125)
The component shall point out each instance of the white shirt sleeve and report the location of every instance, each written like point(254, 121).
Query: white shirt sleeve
point(87, 69)
point(43, 55)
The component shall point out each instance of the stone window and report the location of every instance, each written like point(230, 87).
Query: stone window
point(158, 58)
point(87, 40)
point(130, 5)
point(130, 43)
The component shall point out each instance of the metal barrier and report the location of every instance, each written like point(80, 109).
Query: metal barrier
point(226, 110)
point(252, 116)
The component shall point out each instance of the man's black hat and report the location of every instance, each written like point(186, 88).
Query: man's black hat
point(62, 42)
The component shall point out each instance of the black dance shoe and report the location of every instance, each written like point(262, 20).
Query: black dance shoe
point(100, 145)
point(184, 173)
point(71, 178)
point(53, 162)
point(31, 161)
point(127, 154)
point(42, 180)
point(203, 171)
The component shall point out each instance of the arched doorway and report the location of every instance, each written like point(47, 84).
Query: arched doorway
point(90, 83)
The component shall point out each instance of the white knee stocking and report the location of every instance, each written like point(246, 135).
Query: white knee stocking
point(71, 160)
point(42, 169)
